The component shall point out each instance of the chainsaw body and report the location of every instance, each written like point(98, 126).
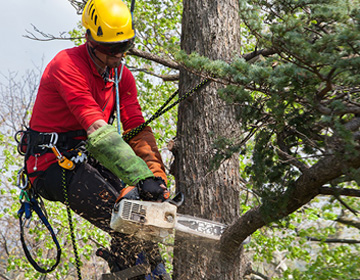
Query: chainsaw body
point(144, 219)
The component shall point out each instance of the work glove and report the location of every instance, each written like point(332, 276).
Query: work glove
point(144, 145)
point(153, 189)
point(108, 147)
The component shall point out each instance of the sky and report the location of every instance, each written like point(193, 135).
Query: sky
point(18, 54)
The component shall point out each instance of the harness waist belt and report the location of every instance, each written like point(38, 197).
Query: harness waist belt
point(63, 141)
point(34, 142)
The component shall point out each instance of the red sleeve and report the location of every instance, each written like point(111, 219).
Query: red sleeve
point(74, 85)
point(130, 110)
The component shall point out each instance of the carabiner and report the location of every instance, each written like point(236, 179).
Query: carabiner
point(22, 181)
point(53, 140)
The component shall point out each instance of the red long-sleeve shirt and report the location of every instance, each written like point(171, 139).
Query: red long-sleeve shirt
point(72, 95)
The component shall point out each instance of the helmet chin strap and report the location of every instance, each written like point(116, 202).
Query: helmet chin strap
point(91, 51)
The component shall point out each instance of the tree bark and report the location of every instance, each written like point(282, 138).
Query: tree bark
point(210, 28)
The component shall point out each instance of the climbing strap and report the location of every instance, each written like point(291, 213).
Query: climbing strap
point(30, 203)
point(71, 225)
point(164, 108)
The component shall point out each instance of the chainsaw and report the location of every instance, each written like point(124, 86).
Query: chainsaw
point(155, 221)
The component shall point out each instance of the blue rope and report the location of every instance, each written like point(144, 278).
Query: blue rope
point(117, 81)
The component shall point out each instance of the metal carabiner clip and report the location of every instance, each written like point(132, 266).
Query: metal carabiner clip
point(53, 140)
point(22, 181)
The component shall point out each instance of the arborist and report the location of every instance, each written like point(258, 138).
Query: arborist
point(76, 101)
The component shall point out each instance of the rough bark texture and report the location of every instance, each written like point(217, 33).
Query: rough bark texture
point(210, 28)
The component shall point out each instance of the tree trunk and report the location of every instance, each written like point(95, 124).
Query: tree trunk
point(210, 28)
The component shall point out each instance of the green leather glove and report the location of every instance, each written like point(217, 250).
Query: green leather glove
point(108, 147)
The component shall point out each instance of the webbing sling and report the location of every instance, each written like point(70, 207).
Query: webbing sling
point(28, 205)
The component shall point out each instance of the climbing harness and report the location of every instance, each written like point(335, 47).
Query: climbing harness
point(35, 143)
point(164, 108)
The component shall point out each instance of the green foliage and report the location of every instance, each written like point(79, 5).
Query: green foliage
point(294, 101)
point(296, 107)
point(286, 246)
point(157, 24)
point(78, 34)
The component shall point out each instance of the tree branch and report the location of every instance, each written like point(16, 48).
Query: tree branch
point(348, 222)
point(291, 160)
point(136, 52)
point(4, 277)
point(263, 52)
point(47, 36)
point(166, 62)
point(338, 198)
point(304, 189)
point(260, 274)
point(165, 78)
point(334, 240)
point(78, 5)
point(339, 191)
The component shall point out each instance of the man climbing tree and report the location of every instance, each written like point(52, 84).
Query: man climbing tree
point(79, 91)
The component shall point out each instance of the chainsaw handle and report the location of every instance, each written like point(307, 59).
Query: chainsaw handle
point(132, 193)
point(129, 192)
point(177, 200)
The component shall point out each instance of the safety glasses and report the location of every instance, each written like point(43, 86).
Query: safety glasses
point(113, 48)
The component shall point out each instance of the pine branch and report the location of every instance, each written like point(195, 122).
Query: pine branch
point(299, 193)
point(291, 160)
point(263, 52)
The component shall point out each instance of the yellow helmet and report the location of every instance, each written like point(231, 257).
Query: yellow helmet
point(109, 24)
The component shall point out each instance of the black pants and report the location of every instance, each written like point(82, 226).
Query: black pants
point(92, 192)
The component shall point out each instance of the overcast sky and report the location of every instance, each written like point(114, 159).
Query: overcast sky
point(50, 16)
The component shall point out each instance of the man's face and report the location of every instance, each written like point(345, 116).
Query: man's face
point(111, 61)
point(111, 54)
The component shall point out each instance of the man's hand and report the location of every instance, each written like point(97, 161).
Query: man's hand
point(153, 189)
